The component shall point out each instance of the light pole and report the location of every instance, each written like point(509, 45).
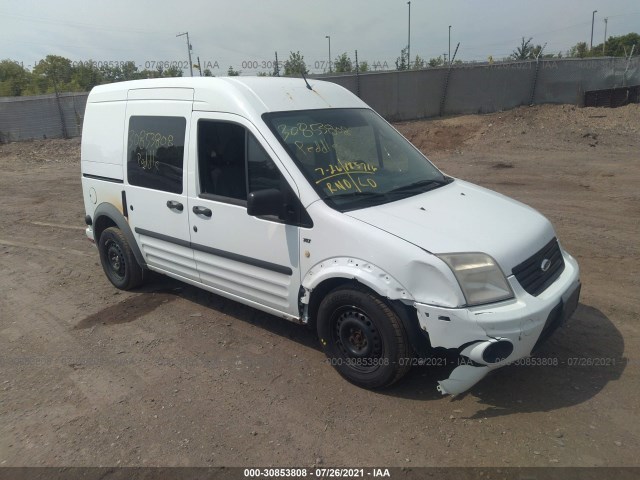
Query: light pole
point(449, 42)
point(409, 40)
point(189, 50)
point(329, 38)
point(605, 35)
point(593, 17)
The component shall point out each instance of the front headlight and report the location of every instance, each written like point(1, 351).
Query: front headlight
point(479, 276)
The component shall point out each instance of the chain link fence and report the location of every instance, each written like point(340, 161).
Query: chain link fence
point(407, 95)
point(42, 116)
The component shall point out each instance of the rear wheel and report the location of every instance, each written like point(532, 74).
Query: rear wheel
point(363, 338)
point(118, 261)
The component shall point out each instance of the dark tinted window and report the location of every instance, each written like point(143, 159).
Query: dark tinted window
point(226, 152)
point(263, 173)
point(221, 159)
point(156, 152)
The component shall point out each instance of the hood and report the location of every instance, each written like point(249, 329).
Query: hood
point(462, 217)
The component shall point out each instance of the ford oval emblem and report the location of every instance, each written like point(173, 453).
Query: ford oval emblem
point(545, 265)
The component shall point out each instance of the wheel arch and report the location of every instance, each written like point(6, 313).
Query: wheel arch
point(106, 215)
point(337, 272)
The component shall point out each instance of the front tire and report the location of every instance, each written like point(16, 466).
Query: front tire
point(118, 262)
point(363, 337)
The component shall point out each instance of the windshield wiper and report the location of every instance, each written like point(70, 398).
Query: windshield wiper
point(356, 197)
point(421, 186)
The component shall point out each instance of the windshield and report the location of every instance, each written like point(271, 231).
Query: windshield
point(353, 158)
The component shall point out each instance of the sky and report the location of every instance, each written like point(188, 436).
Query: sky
point(246, 34)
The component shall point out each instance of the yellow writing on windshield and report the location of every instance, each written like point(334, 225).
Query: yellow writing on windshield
point(308, 131)
point(344, 168)
point(355, 183)
point(347, 176)
point(319, 146)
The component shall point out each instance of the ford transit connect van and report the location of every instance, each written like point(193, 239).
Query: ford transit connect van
point(299, 200)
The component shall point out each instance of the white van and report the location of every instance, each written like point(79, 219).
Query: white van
point(297, 199)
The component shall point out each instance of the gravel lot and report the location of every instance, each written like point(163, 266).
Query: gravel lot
point(173, 376)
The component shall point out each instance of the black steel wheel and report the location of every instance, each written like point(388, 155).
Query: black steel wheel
point(363, 338)
point(118, 261)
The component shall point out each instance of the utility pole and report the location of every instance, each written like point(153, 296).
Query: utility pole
point(329, 38)
point(593, 17)
point(449, 41)
point(189, 50)
point(276, 69)
point(605, 35)
point(409, 40)
point(199, 66)
point(357, 75)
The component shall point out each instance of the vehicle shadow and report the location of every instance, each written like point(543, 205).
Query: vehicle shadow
point(576, 363)
point(571, 367)
point(167, 287)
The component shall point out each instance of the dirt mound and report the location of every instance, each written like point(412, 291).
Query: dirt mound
point(546, 127)
point(15, 155)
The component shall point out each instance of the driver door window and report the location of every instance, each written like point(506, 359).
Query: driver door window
point(225, 152)
point(221, 160)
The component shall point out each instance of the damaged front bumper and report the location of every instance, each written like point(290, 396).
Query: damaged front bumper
point(491, 336)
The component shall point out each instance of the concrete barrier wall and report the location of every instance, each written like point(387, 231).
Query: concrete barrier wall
point(483, 88)
point(408, 95)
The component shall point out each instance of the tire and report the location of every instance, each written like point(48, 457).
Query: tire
point(118, 262)
point(363, 338)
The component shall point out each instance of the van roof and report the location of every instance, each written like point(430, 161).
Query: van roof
point(242, 95)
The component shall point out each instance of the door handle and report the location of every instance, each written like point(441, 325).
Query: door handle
point(205, 212)
point(173, 205)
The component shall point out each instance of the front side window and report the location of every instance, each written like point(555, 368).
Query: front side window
point(352, 157)
point(221, 159)
point(226, 152)
point(263, 173)
point(155, 148)
point(232, 163)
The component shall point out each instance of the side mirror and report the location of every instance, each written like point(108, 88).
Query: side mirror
point(265, 202)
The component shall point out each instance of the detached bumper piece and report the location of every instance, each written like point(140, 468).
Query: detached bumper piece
point(462, 379)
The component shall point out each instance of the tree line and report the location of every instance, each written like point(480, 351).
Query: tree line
point(57, 74)
point(621, 46)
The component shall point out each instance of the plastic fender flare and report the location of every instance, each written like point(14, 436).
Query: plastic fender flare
point(380, 282)
point(353, 268)
point(108, 210)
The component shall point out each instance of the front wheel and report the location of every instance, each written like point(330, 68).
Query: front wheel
point(118, 261)
point(363, 338)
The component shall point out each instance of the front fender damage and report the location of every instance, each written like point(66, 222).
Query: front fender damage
point(453, 330)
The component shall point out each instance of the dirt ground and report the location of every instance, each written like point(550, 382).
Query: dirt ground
point(173, 376)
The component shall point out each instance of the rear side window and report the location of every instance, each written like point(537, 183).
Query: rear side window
point(156, 152)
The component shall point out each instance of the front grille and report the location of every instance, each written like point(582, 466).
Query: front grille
point(530, 274)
